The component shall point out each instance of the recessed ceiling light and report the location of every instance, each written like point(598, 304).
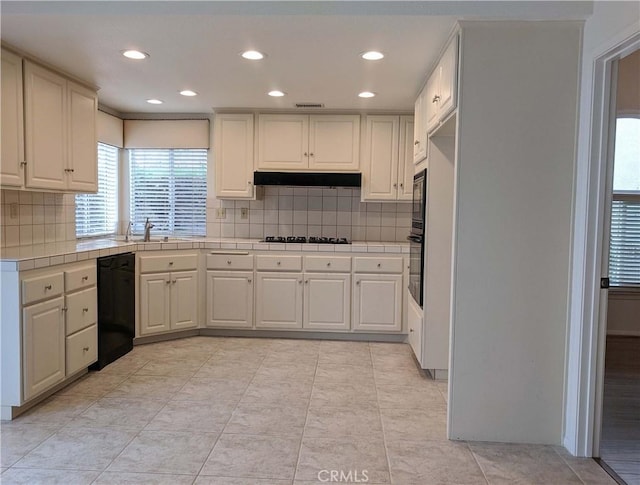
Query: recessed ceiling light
point(253, 55)
point(188, 92)
point(154, 101)
point(133, 54)
point(366, 94)
point(276, 93)
point(372, 55)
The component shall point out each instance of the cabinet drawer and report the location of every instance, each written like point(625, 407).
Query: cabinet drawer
point(34, 289)
point(79, 278)
point(377, 265)
point(81, 310)
point(230, 261)
point(278, 263)
point(178, 262)
point(82, 349)
point(328, 264)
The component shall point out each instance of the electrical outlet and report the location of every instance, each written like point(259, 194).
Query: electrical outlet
point(221, 213)
point(244, 213)
point(13, 211)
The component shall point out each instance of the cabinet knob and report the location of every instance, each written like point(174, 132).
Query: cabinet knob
point(358, 282)
point(63, 309)
point(248, 182)
point(306, 282)
point(311, 154)
point(174, 282)
point(85, 310)
point(85, 349)
point(435, 99)
point(249, 280)
point(411, 330)
point(402, 186)
point(85, 278)
point(168, 282)
point(395, 186)
point(299, 282)
point(305, 154)
point(379, 265)
point(228, 261)
point(279, 263)
point(170, 263)
point(416, 142)
point(329, 263)
point(47, 287)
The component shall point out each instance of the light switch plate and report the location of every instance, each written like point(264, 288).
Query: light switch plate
point(13, 211)
point(221, 213)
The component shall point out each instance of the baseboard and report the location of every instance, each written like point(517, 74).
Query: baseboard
point(357, 337)
point(623, 333)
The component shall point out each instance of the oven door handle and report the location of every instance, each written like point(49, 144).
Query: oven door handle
point(417, 239)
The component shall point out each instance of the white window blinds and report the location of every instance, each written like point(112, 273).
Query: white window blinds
point(624, 241)
point(168, 186)
point(97, 214)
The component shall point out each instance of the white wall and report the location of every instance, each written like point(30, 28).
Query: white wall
point(611, 24)
point(517, 126)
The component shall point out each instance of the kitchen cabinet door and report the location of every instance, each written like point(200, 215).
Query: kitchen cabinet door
point(448, 80)
point(155, 303)
point(327, 301)
point(334, 142)
point(233, 147)
point(11, 163)
point(432, 96)
point(377, 302)
point(380, 171)
point(283, 142)
point(43, 343)
point(45, 98)
point(279, 300)
point(405, 159)
point(82, 161)
point(420, 128)
point(230, 299)
point(184, 300)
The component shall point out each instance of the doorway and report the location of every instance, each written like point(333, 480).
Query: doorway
point(619, 443)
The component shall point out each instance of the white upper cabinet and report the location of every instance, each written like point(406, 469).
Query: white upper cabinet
point(233, 146)
point(82, 165)
point(388, 158)
point(441, 87)
point(60, 132)
point(11, 164)
point(419, 128)
point(308, 142)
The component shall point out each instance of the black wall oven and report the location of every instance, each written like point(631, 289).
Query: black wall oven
point(417, 237)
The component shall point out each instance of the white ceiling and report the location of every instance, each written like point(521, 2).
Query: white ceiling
point(312, 48)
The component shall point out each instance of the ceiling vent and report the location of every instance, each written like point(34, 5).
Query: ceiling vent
point(309, 105)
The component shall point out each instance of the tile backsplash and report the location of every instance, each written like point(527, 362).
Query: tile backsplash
point(36, 218)
point(301, 211)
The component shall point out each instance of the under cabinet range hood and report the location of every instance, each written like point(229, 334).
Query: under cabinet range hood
point(308, 179)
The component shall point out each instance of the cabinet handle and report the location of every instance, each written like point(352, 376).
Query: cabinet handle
point(47, 287)
point(85, 278)
point(85, 310)
point(85, 349)
point(436, 98)
point(416, 142)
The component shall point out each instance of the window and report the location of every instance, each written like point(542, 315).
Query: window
point(97, 214)
point(624, 245)
point(168, 186)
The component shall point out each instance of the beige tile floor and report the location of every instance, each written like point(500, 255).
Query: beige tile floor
point(232, 411)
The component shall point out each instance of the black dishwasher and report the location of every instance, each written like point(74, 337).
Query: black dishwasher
point(116, 307)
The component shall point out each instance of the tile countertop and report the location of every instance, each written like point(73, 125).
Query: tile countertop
point(24, 258)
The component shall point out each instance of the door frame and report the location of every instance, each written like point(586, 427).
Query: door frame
point(586, 337)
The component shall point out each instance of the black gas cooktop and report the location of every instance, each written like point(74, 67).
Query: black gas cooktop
point(304, 240)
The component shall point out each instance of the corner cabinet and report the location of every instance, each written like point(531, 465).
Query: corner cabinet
point(168, 292)
point(60, 132)
point(308, 142)
point(12, 161)
point(233, 148)
point(388, 159)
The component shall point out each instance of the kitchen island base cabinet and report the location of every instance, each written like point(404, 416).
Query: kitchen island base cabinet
point(44, 346)
point(279, 300)
point(327, 301)
point(377, 300)
point(230, 299)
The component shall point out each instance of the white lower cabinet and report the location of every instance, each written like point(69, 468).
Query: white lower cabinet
point(43, 346)
point(230, 299)
point(279, 300)
point(168, 301)
point(327, 301)
point(377, 302)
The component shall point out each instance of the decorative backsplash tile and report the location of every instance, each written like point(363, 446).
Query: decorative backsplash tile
point(36, 218)
point(301, 211)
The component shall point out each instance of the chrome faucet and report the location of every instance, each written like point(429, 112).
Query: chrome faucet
point(147, 231)
point(128, 232)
